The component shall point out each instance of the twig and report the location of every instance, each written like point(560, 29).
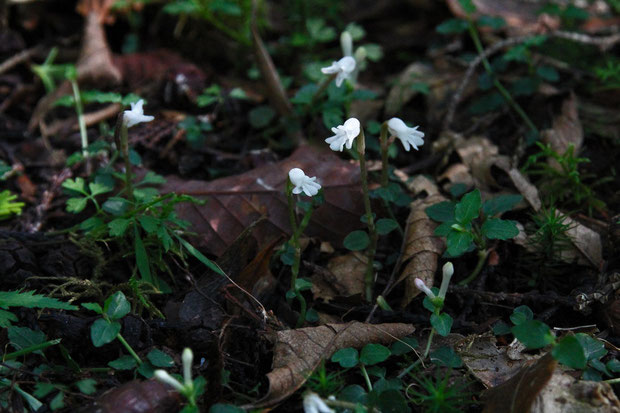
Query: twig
point(20, 57)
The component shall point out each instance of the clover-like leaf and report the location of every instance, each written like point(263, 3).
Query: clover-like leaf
point(468, 208)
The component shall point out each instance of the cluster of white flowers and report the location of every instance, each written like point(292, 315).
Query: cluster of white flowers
point(345, 134)
point(447, 272)
point(164, 377)
point(303, 183)
point(314, 404)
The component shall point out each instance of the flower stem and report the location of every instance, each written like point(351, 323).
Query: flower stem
point(79, 110)
point(366, 378)
point(482, 257)
point(322, 87)
point(129, 349)
point(501, 89)
point(372, 231)
point(122, 140)
point(428, 343)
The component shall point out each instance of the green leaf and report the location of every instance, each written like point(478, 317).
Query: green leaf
point(496, 228)
point(30, 300)
point(452, 26)
point(445, 356)
point(533, 334)
point(346, 357)
point(441, 212)
point(149, 223)
point(146, 369)
point(442, 323)
point(76, 205)
point(98, 188)
point(151, 178)
point(145, 194)
point(304, 94)
point(468, 208)
point(115, 205)
point(58, 402)
point(91, 223)
point(160, 359)
point(468, 6)
point(87, 386)
point(570, 353)
point(225, 408)
point(594, 349)
point(500, 328)
point(521, 314)
point(392, 401)
point(123, 363)
point(197, 254)
point(548, 73)
point(117, 306)
point(77, 185)
point(458, 242)
point(374, 353)
point(493, 22)
point(24, 337)
point(93, 307)
point(118, 226)
point(303, 284)
point(404, 346)
point(356, 240)
point(103, 332)
point(142, 258)
point(613, 365)
point(444, 229)
point(500, 204)
point(261, 116)
point(6, 318)
point(97, 96)
point(486, 103)
point(385, 226)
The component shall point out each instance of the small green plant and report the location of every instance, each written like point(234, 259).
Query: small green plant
point(190, 389)
point(578, 351)
point(549, 237)
point(297, 183)
point(561, 182)
point(470, 223)
point(439, 393)
point(8, 207)
point(27, 299)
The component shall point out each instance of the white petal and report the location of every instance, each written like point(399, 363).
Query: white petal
point(296, 176)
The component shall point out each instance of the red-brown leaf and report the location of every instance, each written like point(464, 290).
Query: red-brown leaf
point(235, 202)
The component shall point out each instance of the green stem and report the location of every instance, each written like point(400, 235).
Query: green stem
point(372, 231)
point(80, 114)
point(123, 140)
point(482, 257)
point(502, 90)
point(302, 308)
point(612, 381)
point(428, 343)
point(129, 349)
point(366, 378)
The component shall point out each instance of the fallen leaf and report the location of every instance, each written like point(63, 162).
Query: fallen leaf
point(563, 393)
point(235, 202)
point(421, 249)
point(298, 352)
point(344, 278)
point(566, 131)
point(518, 394)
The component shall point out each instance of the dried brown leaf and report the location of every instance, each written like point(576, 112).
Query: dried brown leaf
point(566, 130)
point(421, 249)
point(298, 352)
point(235, 202)
point(344, 278)
point(519, 393)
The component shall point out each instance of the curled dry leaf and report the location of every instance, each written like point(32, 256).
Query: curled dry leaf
point(344, 278)
point(519, 393)
point(566, 130)
point(150, 396)
point(421, 248)
point(298, 352)
point(235, 202)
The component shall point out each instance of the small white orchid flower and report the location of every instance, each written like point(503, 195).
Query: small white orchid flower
point(136, 115)
point(314, 404)
point(164, 377)
point(187, 358)
point(303, 183)
point(422, 287)
point(346, 43)
point(343, 67)
point(448, 271)
point(408, 136)
point(344, 134)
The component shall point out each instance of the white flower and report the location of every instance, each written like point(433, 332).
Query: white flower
point(314, 404)
point(344, 134)
point(344, 67)
point(408, 136)
point(422, 287)
point(448, 271)
point(187, 358)
point(164, 377)
point(136, 115)
point(303, 183)
point(346, 43)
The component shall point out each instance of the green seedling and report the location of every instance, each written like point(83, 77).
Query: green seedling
point(549, 237)
point(27, 299)
point(297, 183)
point(190, 389)
point(577, 351)
point(439, 394)
point(8, 206)
point(470, 223)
